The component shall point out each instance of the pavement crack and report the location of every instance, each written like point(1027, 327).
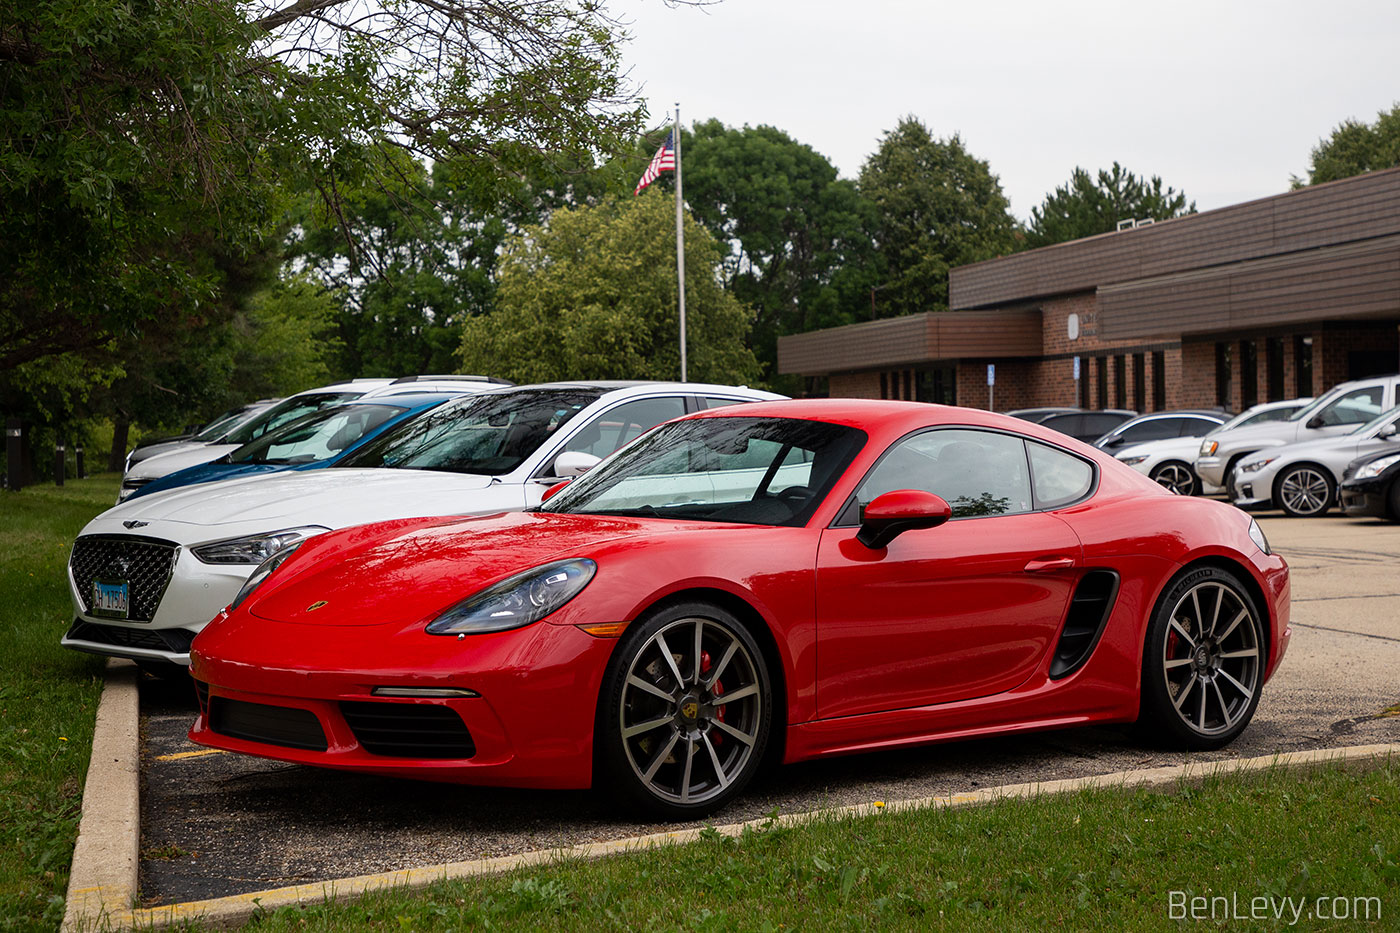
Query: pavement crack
point(1342, 631)
point(1318, 599)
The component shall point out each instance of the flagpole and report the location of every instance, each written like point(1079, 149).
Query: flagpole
point(680, 239)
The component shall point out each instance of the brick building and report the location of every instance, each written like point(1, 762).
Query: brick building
point(1271, 299)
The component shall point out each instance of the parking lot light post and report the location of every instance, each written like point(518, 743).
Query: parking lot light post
point(14, 432)
point(60, 463)
point(82, 470)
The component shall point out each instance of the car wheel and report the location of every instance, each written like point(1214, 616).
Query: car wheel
point(1178, 477)
point(1203, 664)
point(685, 713)
point(1304, 491)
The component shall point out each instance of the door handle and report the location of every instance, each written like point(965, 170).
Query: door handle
point(1049, 564)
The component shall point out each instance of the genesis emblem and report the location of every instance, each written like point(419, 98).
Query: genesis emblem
point(314, 606)
point(133, 523)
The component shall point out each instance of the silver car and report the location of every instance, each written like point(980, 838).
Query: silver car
point(1302, 478)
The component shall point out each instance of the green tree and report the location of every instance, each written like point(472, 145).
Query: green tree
point(797, 237)
point(937, 206)
point(1089, 205)
point(1355, 148)
point(592, 295)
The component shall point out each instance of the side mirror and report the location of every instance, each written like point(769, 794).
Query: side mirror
point(573, 463)
point(1388, 430)
point(1315, 422)
point(889, 516)
point(548, 493)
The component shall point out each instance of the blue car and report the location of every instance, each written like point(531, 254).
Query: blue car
point(319, 439)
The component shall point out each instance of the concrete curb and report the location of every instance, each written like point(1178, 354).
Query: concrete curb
point(103, 878)
point(102, 889)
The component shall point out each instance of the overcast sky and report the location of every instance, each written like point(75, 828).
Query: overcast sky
point(1223, 99)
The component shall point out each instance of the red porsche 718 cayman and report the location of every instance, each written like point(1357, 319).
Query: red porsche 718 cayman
point(769, 582)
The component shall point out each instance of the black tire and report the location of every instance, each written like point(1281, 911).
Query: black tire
point(1203, 662)
point(666, 747)
point(1394, 500)
point(1177, 476)
point(1305, 490)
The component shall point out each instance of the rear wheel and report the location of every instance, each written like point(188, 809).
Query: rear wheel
point(685, 713)
point(1203, 664)
point(1304, 491)
point(1178, 477)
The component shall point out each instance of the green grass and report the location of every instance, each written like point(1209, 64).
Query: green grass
point(1094, 860)
point(48, 698)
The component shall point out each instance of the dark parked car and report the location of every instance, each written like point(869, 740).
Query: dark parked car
point(1087, 426)
point(1371, 486)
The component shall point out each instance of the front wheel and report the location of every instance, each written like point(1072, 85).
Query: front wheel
point(1203, 663)
point(1305, 491)
point(685, 713)
point(1178, 477)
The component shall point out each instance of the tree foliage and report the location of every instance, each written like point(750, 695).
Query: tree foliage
point(592, 295)
point(937, 206)
point(1092, 204)
point(1355, 148)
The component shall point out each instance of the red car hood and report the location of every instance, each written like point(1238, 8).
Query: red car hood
point(409, 571)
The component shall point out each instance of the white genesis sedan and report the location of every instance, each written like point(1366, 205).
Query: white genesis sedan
point(149, 574)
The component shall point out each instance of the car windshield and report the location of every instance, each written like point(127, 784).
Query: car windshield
point(756, 471)
point(492, 433)
point(1383, 418)
point(285, 412)
point(317, 436)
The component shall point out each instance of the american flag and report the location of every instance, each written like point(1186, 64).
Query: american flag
point(663, 161)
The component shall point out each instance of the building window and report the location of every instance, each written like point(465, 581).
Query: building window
point(1273, 362)
point(1159, 380)
point(1081, 384)
point(909, 385)
point(884, 385)
point(1101, 376)
point(1222, 375)
point(938, 385)
point(1249, 374)
point(1139, 383)
point(1120, 381)
point(1303, 365)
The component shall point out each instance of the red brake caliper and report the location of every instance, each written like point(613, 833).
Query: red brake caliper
point(716, 738)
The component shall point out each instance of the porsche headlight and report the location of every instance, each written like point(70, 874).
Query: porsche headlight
point(263, 571)
point(516, 601)
point(1256, 534)
point(1377, 467)
point(1132, 461)
point(1254, 466)
point(1208, 448)
point(254, 549)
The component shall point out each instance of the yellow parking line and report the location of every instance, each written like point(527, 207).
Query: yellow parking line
point(178, 755)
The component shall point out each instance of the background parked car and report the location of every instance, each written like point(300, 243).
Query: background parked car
point(314, 441)
point(1087, 426)
point(1170, 461)
point(1371, 486)
point(1302, 478)
point(1337, 411)
point(1160, 425)
point(490, 452)
point(1036, 414)
point(206, 434)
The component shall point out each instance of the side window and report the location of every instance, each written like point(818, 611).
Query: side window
point(617, 426)
point(1097, 425)
point(977, 472)
point(1197, 427)
point(1356, 407)
point(1059, 478)
point(1151, 430)
point(1073, 425)
point(714, 401)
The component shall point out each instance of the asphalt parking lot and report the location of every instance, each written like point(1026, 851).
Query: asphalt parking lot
point(215, 824)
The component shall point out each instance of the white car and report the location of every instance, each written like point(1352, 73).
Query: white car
point(1337, 411)
point(1302, 478)
point(149, 574)
point(1169, 461)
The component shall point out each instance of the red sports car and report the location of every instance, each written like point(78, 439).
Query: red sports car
point(767, 582)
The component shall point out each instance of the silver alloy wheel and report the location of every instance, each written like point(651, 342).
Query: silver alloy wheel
point(1305, 491)
point(1177, 477)
point(691, 710)
point(1211, 658)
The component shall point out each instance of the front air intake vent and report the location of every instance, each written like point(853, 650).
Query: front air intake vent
point(1088, 612)
point(408, 730)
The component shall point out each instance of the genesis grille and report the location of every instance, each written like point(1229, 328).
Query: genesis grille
point(145, 563)
point(271, 725)
point(176, 640)
point(408, 730)
point(1088, 612)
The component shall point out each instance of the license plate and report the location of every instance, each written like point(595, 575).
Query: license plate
point(110, 599)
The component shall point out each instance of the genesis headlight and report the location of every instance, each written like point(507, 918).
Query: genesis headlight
point(519, 600)
point(263, 571)
point(1132, 461)
point(1254, 466)
point(1208, 448)
point(1256, 534)
point(254, 549)
point(1377, 467)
